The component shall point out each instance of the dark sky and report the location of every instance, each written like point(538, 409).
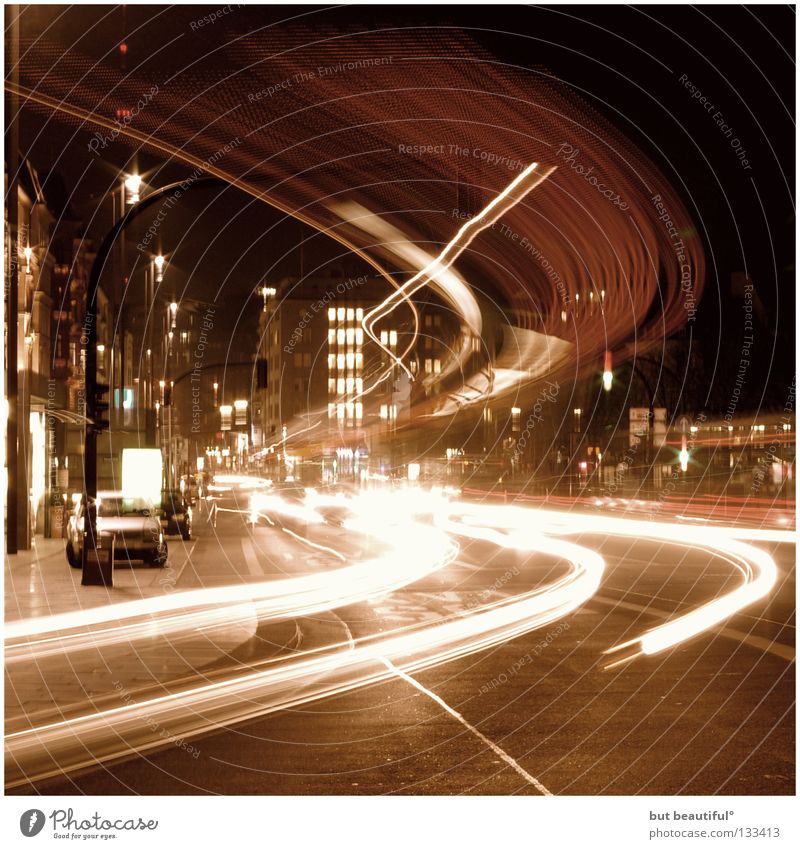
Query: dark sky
point(630, 63)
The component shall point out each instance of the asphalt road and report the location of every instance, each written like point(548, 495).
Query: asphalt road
point(538, 714)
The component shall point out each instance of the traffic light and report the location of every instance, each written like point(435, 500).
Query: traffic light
point(100, 406)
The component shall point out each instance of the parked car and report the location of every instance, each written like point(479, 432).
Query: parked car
point(176, 514)
point(132, 521)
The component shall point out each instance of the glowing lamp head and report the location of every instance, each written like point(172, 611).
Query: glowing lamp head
point(133, 184)
point(684, 459)
point(173, 308)
point(608, 379)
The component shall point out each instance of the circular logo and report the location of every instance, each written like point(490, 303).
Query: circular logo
point(31, 822)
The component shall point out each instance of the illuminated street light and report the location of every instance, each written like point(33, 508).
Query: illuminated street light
point(28, 252)
point(133, 184)
point(159, 262)
point(101, 348)
point(608, 375)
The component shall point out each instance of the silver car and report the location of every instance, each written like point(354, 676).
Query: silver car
point(134, 523)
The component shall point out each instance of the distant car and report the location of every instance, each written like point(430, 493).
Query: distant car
point(133, 522)
point(176, 514)
point(190, 489)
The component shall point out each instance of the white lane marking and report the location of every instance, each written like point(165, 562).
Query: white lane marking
point(761, 643)
point(250, 558)
point(482, 737)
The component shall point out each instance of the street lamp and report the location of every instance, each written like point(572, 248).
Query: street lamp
point(159, 262)
point(216, 387)
point(133, 184)
point(28, 251)
point(173, 310)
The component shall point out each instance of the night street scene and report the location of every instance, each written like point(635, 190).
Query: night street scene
point(400, 401)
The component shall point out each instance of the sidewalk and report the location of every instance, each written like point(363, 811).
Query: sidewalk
point(48, 684)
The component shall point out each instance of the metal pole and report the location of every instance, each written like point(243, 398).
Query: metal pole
point(12, 212)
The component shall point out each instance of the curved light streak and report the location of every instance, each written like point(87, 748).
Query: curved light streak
point(280, 683)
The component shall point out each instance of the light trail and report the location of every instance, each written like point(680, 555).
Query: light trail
point(281, 683)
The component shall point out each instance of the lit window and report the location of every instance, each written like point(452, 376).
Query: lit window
point(359, 385)
point(359, 314)
point(331, 314)
point(331, 336)
point(359, 336)
point(350, 335)
point(340, 362)
point(340, 385)
point(428, 366)
point(359, 411)
point(413, 366)
point(340, 337)
point(331, 362)
point(331, 385)
point(350, 314)
point(428, 321)
point(350, 360)
point(384, 337)
point(331, 410)
point(350, 384)
point(340, 411)
point(384, 411)
point(437, 366)
point(359, 361)
point(476, 344)
point(340, 314)
point(350, 409)
point(393, 338)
